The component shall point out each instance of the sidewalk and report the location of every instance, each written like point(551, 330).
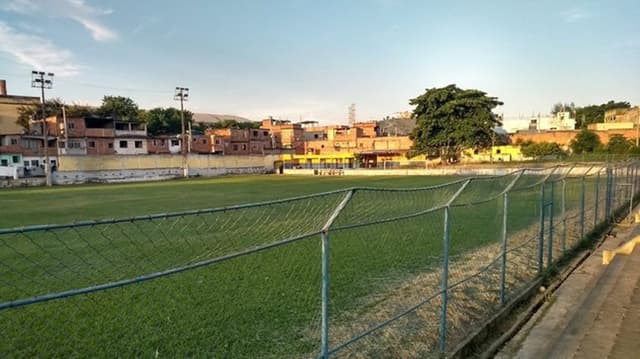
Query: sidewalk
point(595, 313)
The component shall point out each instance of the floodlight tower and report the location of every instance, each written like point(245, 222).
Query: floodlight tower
point(182, 95)
point(42, 80)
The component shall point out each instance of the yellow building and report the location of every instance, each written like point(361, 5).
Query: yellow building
point(506, 153)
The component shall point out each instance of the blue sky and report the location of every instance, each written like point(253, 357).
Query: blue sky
point(310, 59)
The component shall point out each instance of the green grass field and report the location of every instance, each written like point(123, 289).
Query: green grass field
point(266, 304)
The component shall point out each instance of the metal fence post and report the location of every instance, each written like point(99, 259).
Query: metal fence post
point(595, 212)
point(324, 337)
point(503, 271)
point(445, 282)
point(582, 197)
point(541, 234)
point(445, 267)
point(550, 244)
point(324, 328)
point(631, 190)
point(564, 216)
point(607, 201)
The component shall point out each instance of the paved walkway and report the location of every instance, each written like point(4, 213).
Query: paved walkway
point(595, 313)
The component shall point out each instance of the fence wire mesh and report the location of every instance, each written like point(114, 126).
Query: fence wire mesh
point(359, 273)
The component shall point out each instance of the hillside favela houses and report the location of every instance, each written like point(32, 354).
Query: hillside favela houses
point(292, 145)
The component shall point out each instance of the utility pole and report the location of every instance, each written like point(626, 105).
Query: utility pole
point(182, 94)
point(42, 80)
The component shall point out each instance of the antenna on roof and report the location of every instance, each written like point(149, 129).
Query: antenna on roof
point(352, 114)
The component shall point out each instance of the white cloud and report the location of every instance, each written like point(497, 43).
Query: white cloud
point(76, 10)
point(575, 15)
point(37, 53)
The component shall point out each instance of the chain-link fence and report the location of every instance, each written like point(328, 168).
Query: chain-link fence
point(360, 272)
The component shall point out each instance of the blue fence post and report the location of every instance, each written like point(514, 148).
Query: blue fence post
point(564, 216)
point(324, 335)
point(445, 282)
point(631, 183)
point(541, 234)
point(597, 194)
point(503, 271)
point(324, 327)
point(582, 209)
point(613, 207)
point(607, 201)
point(550, 244)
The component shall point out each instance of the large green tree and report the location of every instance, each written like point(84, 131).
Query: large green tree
point(164, 121)
point(28, 113)
point(618, 144)
point(540, 149)
point(119, 107)
point(585, 142)
point(449, 119)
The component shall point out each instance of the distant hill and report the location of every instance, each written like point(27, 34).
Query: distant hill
point(213, 118)
point(399, 126)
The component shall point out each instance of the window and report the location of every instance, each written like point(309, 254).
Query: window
point(4, 162)
point(110, 145)
point(174, 143)
point(92, 144)
point(74, 144)
point(255, 133)
point(71, 125)
point(14, 141)
point(123, 144)
point(217, 141)
point(15, 159)
point(244, 147)
point(235, 147)
point(498, 151)
point(138, 144)
point(61, 144)
point(154, 142)
point(315, 136)
point(26, 163)
point(204, 142)
point(266, 133)
point(35, 163)
point(161, 142)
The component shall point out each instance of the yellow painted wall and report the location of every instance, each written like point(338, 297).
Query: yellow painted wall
point(499, 153)
point(132, 162)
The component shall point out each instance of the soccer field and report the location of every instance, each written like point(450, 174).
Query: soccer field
point(29, 206)
point(266, 304)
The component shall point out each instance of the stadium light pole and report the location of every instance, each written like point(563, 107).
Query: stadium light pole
point(182, 94)
point(42, 80)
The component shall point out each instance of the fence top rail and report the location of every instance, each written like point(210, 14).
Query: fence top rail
point(99, 222)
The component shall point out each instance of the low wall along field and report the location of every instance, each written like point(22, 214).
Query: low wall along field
point(118, 168)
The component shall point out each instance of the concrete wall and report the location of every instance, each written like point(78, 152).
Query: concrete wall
point(441, 171)
point(22, 182)
point(114, 168)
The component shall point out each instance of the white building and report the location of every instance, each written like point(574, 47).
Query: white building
point(562, 121)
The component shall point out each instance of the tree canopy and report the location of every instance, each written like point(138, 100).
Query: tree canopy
point(540, 149)
point(119, 107)
point(449, 119)
point(585, 142)
point(164, 121)
point(618, 144)
point(595, 113)
point(563, 107)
